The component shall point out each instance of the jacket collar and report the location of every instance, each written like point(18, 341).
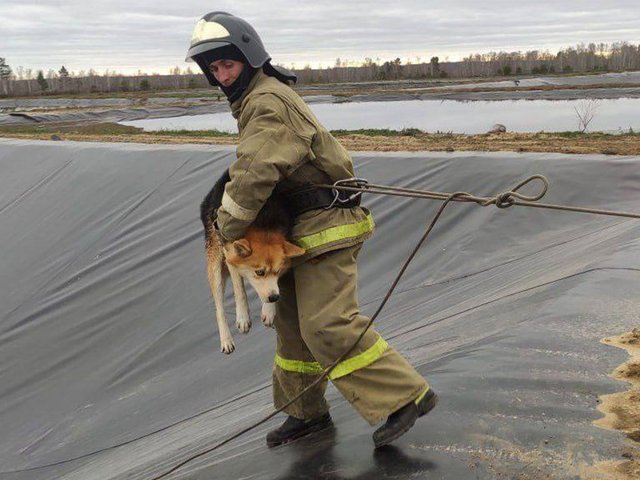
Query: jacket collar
point(236, 106)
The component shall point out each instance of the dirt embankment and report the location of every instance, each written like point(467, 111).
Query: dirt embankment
point(360, 140)
point(622, 410)
point(514, 142)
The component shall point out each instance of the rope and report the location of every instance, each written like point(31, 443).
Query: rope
point(327, 370)
point(502, 200)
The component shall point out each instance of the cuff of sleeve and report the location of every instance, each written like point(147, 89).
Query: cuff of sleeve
point(229, 227)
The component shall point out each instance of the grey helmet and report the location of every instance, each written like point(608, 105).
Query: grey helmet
point(220, 29)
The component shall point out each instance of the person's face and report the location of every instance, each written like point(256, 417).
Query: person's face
point(226, 71)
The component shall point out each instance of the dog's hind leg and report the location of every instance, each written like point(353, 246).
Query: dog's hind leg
point(216, 274)
point(243, 321)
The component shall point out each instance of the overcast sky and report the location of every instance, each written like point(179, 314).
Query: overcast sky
point(153, 36)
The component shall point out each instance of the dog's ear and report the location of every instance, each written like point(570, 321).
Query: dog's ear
point(291, 250)
point(242, 248)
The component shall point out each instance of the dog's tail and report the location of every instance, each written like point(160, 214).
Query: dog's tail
point(212, 202)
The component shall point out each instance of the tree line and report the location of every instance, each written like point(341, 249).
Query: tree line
point(620, 56)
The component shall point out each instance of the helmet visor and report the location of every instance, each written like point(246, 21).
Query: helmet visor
point(204, 47)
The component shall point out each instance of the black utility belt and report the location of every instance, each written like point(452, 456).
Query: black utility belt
point(312, 198)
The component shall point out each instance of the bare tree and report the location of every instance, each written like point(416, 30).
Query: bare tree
point(28, 73)
point(585, 112)
point(5, 75)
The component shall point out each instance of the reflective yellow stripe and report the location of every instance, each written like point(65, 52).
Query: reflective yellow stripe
point(298, 365)
point(421, 396)
point(334, 234)
point(360, 361)
point(343, 368)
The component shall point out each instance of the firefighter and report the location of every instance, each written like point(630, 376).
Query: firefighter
point(283, 148)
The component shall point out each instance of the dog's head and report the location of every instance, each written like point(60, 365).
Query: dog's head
point(261, 258)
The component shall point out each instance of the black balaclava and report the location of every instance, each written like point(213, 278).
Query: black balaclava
point(231, 52)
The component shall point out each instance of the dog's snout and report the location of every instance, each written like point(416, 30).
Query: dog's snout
point(274, 297)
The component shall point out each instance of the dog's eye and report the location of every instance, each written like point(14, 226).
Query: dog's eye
point(260, 273)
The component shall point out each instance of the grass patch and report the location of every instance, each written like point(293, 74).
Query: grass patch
point(594, 135)
point(192, 133)
point(87, 129)
point(379, 132)
point(137, 94)
point(107, 129)
point(624, 143)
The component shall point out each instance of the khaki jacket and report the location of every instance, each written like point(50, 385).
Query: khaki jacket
point(282, 146)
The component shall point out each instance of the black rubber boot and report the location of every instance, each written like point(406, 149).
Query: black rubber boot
point(294, 428)
point(400, 421)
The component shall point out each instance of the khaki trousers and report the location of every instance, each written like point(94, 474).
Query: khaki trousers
point(318, 319)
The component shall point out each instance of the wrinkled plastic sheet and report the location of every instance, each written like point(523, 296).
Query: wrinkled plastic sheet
point(612, 78)
point(109, 361)
point(113, 115)
point(201, 107)
point(595, 93)
point(40, 104)
point(16, 120)
point(26, 104)
point(622, 85)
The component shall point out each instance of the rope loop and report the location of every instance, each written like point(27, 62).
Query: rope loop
point(531, 198)
point(507, 199)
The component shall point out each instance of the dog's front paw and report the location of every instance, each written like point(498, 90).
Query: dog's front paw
point(227, 346)
point(268, 314)
point(243, 325)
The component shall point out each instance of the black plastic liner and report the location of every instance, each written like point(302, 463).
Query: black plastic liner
point(109, 362)
point(597, 93)
point(44, 103)
point(116, 115)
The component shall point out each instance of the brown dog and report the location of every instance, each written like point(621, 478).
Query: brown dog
point(260, 257)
